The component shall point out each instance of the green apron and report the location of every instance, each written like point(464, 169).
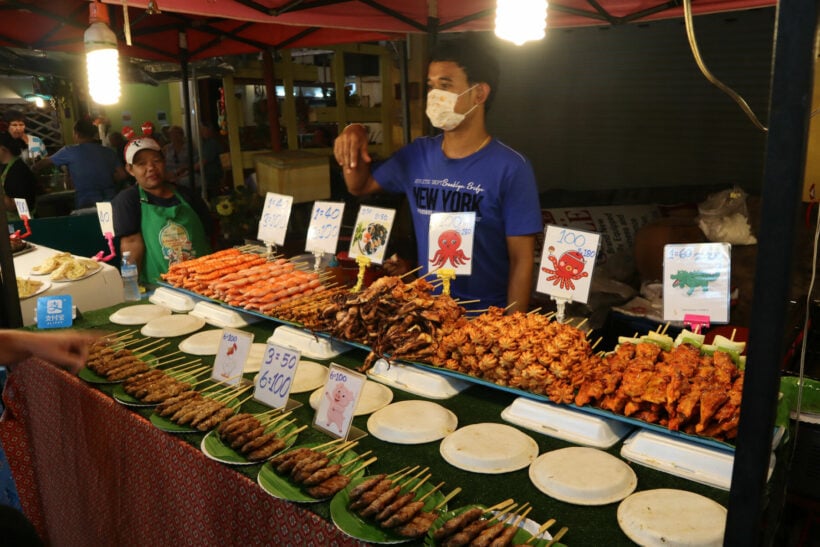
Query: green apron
point(171, 234)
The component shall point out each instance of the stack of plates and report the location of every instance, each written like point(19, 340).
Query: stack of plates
point(172, 325)
point(138, 314)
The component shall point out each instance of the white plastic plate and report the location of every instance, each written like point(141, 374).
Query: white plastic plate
point(672, 518)
point(417, 381)
point(202, 343)
point(138, 314)
point(172, 325)
point(565, 423)
point(489, 448)
point(412, 422)
point(710, 466)
point(173, 300)
point(255, 357)
point(309, 376)
point(309, 345)
point(583, 476)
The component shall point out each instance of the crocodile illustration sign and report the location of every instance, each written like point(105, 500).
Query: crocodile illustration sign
point(696, 280)
point(693, 280)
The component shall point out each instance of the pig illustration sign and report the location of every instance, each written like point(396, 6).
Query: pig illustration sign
point(341, 394)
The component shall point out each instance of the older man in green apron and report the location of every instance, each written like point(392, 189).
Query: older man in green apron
point(159, 223)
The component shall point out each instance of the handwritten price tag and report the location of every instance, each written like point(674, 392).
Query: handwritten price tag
point(276, 375)
point(696, 281)
point(451, 241)
point(233, 351)
point(325, 222)
point(105, 215)
point(567, 261)
point(372, 233)
point(22, 207)
point(274, 220)
point(342, 390)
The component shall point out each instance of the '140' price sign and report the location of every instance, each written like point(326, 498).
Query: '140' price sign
point(276, 375)
point(274, 220)
point(323, 232)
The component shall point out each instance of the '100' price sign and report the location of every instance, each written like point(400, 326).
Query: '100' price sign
point(323, 232)
point(276, 375)
point(274, 220)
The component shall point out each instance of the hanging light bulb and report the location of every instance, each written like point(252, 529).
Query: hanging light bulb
point(102, 57)
point(520, 21)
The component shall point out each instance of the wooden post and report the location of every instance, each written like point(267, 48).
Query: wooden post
point(269, 76)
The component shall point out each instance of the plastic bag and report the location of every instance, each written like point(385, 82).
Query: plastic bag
point(724, 217)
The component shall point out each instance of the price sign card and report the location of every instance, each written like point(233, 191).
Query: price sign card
point(54, 312)
point(567, 261)
point(372, 232)
point(233, 351)
point(697, 281)
point(325, 221)
point(451, 241)
point(105, 215)
point(274, 220)
point(342, 390)
point(276, 376)
point(22, 207)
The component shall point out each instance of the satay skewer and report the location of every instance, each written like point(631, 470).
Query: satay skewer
point(183, 367)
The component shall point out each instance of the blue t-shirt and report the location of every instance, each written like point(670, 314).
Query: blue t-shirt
point(496, 182)
point(91, 167)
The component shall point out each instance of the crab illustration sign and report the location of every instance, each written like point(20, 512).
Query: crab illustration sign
point(567, 261)
point(451, 241)
point(696, 280)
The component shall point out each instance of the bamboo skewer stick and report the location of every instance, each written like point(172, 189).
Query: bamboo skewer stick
point(294, 432)
point(411, 272)
point(363, 465)
point(462, 302)
point(499, 506)
point(582, 323)
point(431, 491)
point(447, 498)
point(558, 536)
point(183, 367)
point(357, 458)
point(148, 352)
point(149, 344)
point(281, 426)
point(329, 443)
point(540, 531)
point(169, 361)
point(536, 310)
point(598, 341)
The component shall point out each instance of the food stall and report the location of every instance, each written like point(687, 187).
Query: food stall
point(786, 153)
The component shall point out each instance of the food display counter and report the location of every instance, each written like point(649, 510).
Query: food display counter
point(97, 289)
point(83, 461)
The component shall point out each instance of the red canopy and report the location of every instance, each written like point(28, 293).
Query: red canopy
point(229, 27)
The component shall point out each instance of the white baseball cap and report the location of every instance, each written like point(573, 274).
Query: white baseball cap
point(138, 145)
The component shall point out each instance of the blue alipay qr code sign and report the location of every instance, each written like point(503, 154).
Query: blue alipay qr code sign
point(54, 312)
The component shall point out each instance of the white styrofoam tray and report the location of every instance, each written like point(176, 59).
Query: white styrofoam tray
point(171, 299)
point(565, 423)
point(417, 381)
point(710, 466)
point(309, 345)
point(216, 315)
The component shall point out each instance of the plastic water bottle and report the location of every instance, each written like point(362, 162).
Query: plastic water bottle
point(130, 282)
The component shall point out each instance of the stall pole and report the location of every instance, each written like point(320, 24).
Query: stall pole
point(790, 103)
point(404, 52)
point(186, 104)
point(269, 75)
point(10, 315)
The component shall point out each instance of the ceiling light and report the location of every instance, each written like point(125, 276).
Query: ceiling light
point(520, 21)
point(102, 57)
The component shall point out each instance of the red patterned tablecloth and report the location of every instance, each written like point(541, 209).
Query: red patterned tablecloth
point(90, 471)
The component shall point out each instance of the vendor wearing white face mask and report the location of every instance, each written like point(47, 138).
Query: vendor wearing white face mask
point(461, 169)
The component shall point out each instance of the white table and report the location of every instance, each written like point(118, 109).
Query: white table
point(100, 290)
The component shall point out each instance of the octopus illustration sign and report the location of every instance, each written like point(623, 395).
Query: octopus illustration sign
point(696, 281)
point(567, 261)
point(343, 388)
point(451, 241)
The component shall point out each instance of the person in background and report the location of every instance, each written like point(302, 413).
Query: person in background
point(211, 164)
point(94, 169)
point(158, 222)
point(177, 165)
point(35, 148)
point(15, 176)
point(462, 169)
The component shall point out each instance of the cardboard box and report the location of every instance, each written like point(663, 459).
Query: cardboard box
point(296, 173)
